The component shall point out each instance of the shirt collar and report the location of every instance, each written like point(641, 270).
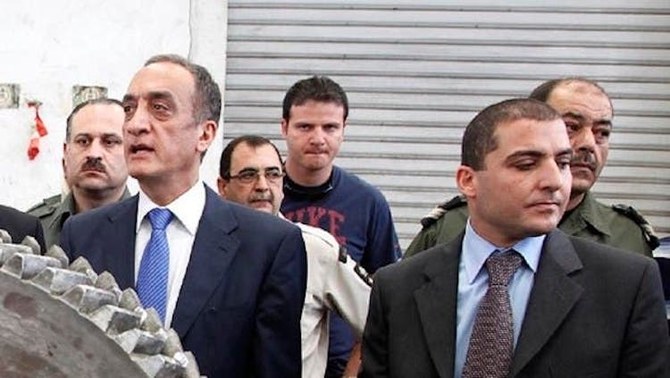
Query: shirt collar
point(477, 249)
point(187, 208)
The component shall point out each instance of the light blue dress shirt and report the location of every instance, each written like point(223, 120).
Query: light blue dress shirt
point(473, 282)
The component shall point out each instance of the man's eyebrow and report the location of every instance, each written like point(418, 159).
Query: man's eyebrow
point(151, 95)
point(160, 95)
point(535, 154)
point(254, 169)
point(581, 118)
point(523, 154)
point(573, 115)
point(565, 152)
point(111, 135)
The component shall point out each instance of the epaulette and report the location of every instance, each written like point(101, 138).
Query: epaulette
point(46, 207)
point(358, 269)
point(647, 230)
point(441, 209)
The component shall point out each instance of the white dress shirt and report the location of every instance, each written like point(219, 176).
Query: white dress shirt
point(187, 210)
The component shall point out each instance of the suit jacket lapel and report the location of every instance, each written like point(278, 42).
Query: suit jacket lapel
point(213, 250)
point(121, 234)
point(436, 303)
point(553, 296)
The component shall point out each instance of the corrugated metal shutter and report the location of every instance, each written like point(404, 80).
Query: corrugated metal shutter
point(417, 73)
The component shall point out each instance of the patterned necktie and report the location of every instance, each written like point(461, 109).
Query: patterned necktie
point(155, 265)
point(492, 340)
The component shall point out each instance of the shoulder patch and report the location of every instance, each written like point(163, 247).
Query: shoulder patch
point(647, 230)
point(343, 255)
point(46, 207)
point(363, 274)
point(441, 209)
point(358, 269)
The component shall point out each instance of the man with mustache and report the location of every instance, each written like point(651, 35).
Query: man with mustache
point(251, 173)
point(93, 165)
point(587, 112)
point(512, 296)
point(321, 194)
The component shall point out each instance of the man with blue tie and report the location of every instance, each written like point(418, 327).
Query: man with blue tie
point(234, 298)
point(513, 296)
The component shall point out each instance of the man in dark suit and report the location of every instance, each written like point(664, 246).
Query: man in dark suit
point(19, 225)
point(229, 280)
point(567, 307)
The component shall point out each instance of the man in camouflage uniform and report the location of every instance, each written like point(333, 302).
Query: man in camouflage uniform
point(587, 112)
point(93, 165)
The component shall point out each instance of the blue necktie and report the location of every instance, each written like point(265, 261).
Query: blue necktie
point(153, 275)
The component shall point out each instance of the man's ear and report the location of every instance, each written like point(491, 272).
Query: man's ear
point(62, 159)
point(284, 127)
point(466, 181)
point(207, 135)
point(221, 184)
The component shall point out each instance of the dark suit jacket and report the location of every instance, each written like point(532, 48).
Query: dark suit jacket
point(239, 306)
point(19, 225)
point(593, 311)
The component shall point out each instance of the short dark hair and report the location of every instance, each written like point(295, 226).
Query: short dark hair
point(543, 91)
point(207, 101)
point(315, 88)
point(254, 141)
point(479, 136)
point(95, 101)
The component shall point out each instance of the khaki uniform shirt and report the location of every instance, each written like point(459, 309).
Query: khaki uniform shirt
point(53, 212)
point(618, 226)
point(335, 282)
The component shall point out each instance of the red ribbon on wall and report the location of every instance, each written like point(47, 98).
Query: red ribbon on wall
point(39, 130)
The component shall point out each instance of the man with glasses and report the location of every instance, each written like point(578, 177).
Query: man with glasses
point(251, 173)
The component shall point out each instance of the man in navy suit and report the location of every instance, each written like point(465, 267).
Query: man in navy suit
point(236, 280)
point(19, 225)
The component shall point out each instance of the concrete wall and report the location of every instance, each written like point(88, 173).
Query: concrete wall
point(48, 46)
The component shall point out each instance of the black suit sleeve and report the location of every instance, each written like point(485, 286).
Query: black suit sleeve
point(375, 335)
point(19, 225)
point(646, 350)
point(38, 233)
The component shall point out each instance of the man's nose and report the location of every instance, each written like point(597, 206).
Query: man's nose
point(583, 140)
point(317, 136)
point(261, 184)
point(554, 177)
point(138, 122)
point(95, 149)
